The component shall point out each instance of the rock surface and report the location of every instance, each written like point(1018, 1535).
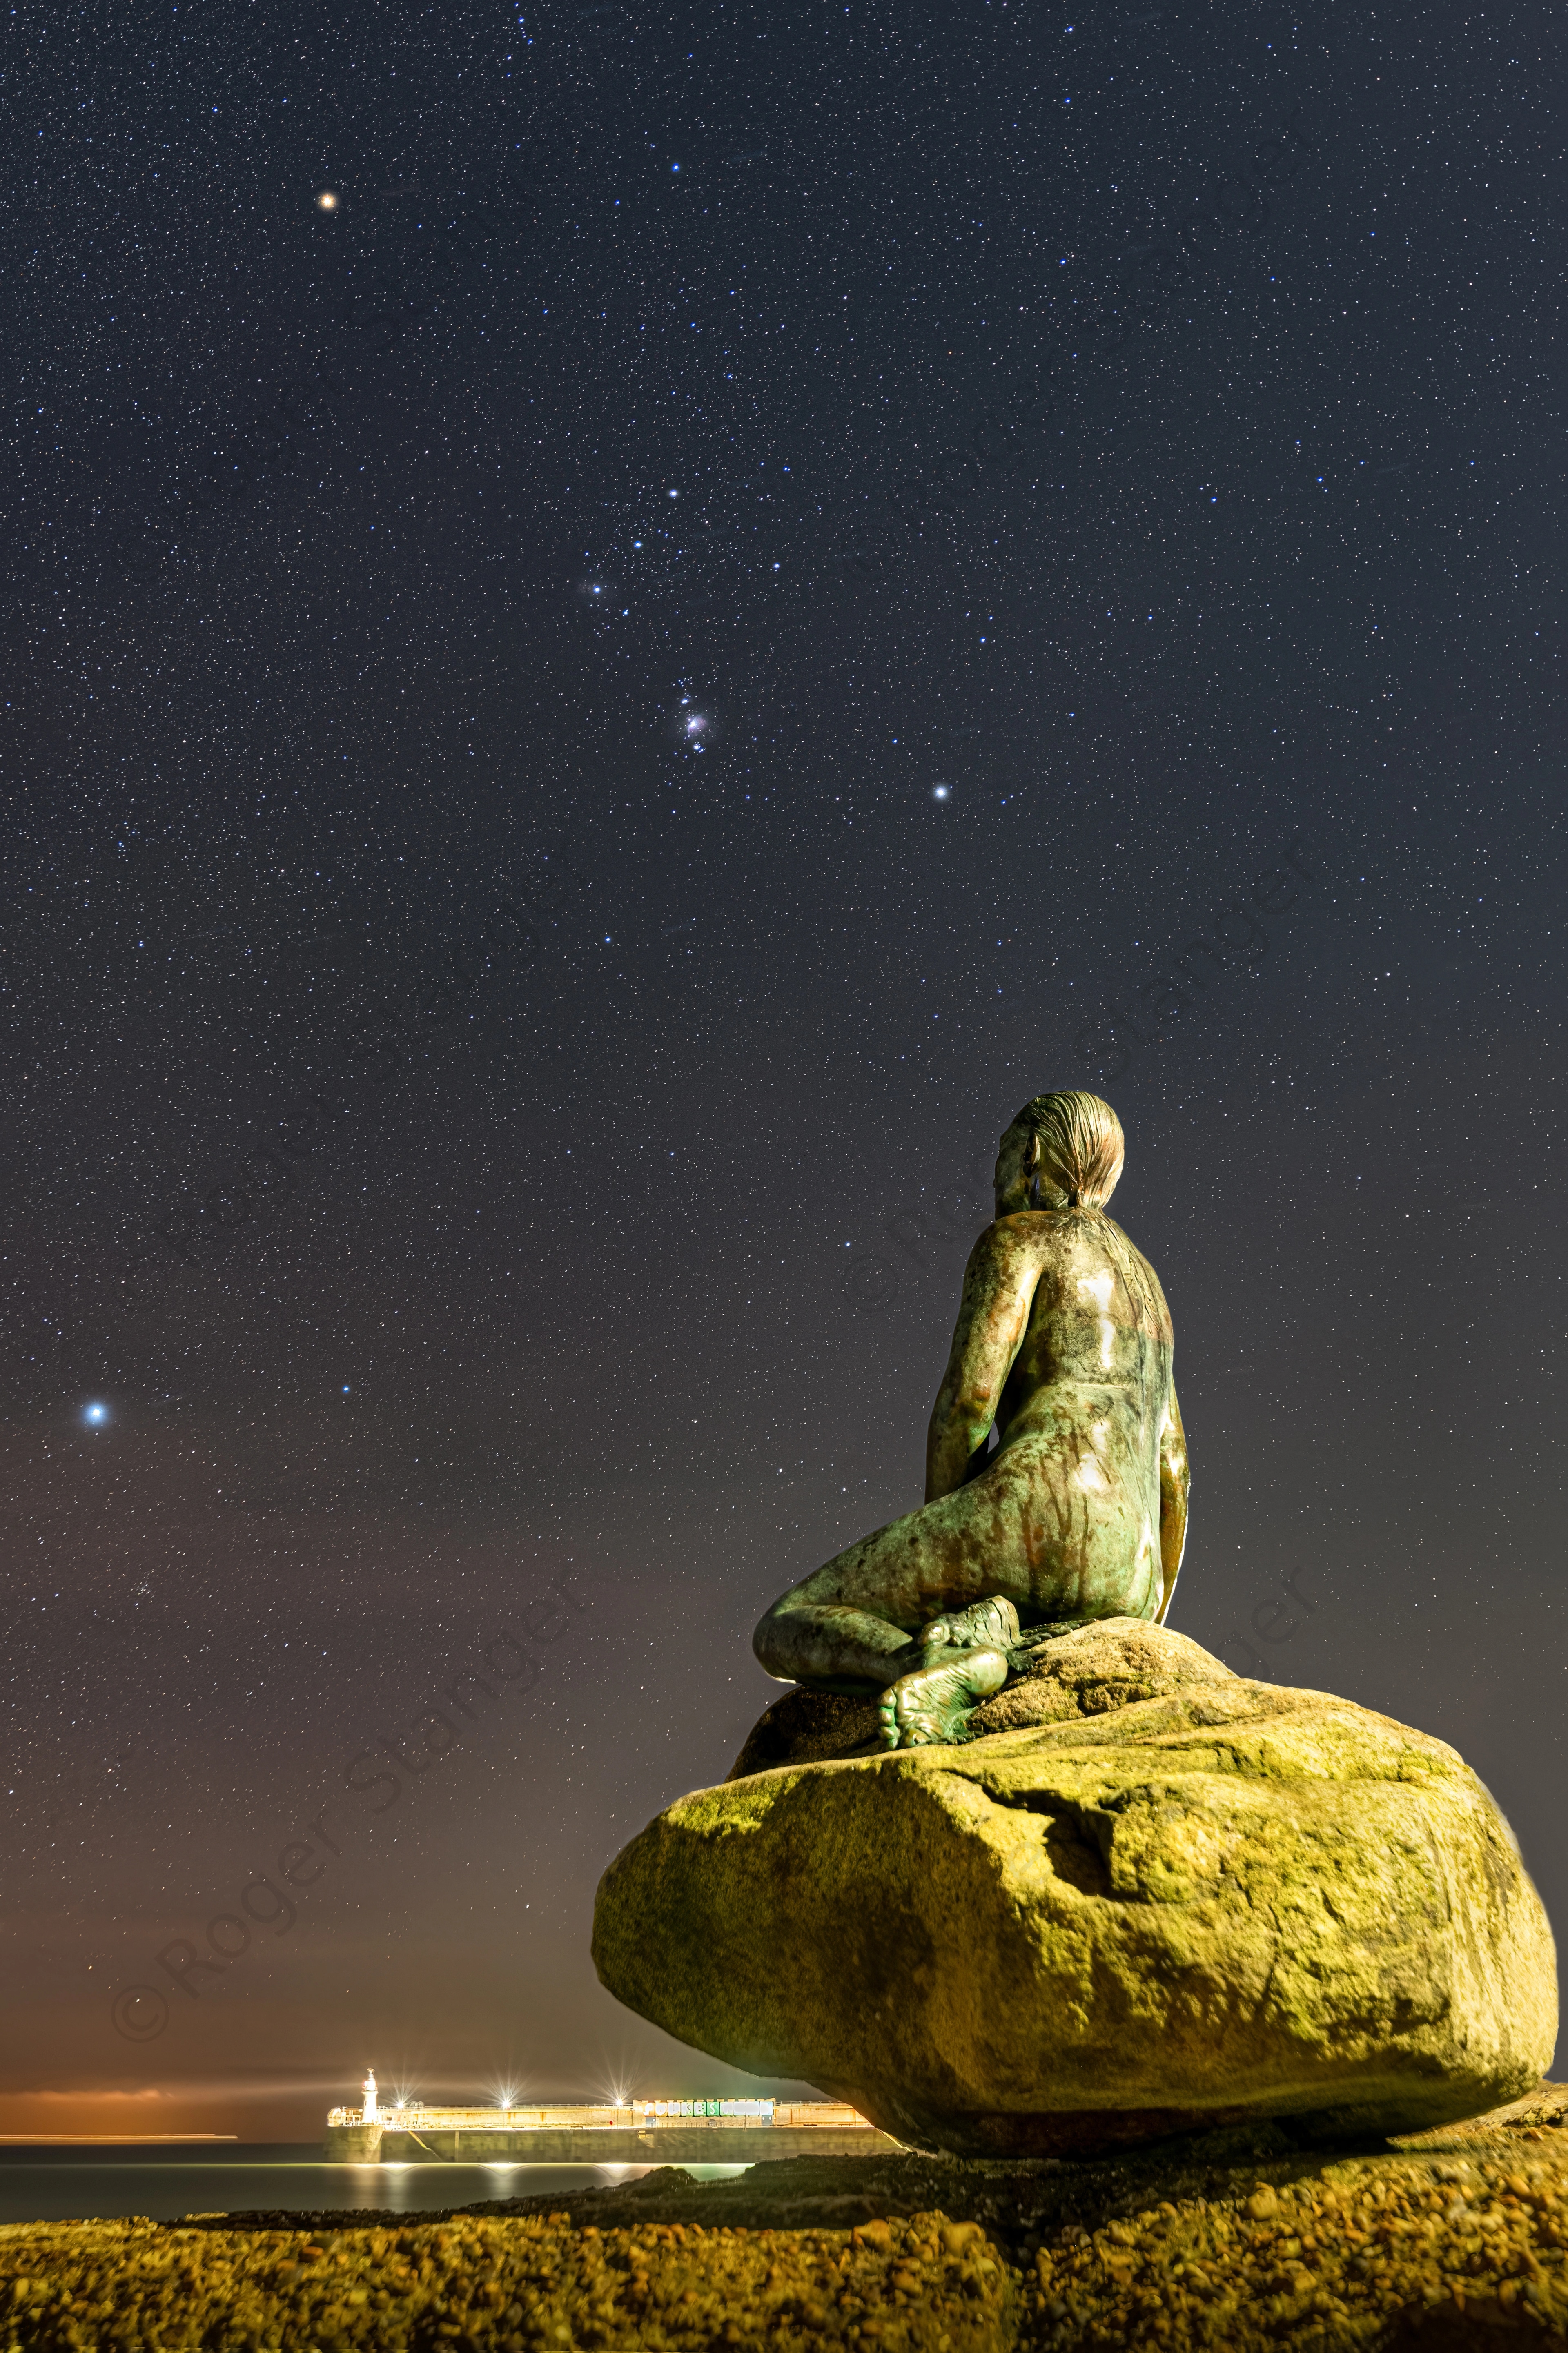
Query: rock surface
point(538, 2283)
point(1152, 1896)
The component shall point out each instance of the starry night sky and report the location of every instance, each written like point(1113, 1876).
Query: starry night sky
point(582, 724)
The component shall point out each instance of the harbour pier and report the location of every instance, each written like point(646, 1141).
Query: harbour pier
point(642, 2132)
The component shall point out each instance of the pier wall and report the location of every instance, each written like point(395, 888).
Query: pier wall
point(689, 2141)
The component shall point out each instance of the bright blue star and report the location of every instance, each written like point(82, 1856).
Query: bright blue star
point(94, 1414)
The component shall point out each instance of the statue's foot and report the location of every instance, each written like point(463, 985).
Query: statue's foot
point(931, 1704)
point(988, 1625)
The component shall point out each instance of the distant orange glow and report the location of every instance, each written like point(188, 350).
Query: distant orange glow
point(92, 2113)
point(327, 201)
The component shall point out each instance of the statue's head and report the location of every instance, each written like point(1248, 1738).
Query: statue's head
point(1062, 1152)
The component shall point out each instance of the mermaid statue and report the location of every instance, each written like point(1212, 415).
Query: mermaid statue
point(1077, 1510)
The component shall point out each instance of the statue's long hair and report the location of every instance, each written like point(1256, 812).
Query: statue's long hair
point(1081, 1151)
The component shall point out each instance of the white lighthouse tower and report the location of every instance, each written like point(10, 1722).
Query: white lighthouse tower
point(371, 2110)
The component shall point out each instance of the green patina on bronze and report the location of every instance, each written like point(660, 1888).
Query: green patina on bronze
point(1063, 1342)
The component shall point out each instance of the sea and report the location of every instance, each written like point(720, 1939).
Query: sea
point(99, 2184)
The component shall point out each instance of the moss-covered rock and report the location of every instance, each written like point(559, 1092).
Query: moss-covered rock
point(1128, 1917)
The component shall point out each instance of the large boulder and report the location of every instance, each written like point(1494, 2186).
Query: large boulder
point(1150, 1896)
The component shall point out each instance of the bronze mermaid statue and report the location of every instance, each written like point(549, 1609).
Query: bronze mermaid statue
point(1064, 1346)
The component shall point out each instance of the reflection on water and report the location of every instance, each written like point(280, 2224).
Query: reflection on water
point(60, 2184)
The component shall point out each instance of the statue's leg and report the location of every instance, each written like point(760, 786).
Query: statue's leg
point(1006, 1537)
point(832, 1645)
point(837, 1647)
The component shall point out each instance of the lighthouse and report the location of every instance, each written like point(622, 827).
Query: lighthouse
point(370, 2111)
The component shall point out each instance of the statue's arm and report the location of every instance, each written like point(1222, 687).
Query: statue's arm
point(1174, 1482)
point(992, 1317)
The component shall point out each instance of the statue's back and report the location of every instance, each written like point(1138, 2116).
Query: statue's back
point(1098, 1317)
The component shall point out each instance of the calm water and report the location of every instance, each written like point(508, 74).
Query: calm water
point(60, 2184)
